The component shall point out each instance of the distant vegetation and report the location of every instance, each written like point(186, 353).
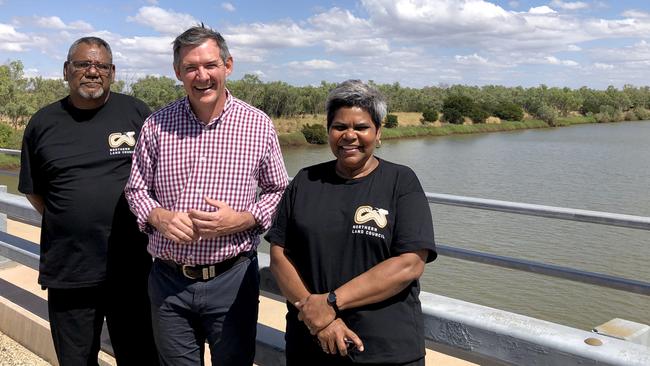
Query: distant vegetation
point(292, 107)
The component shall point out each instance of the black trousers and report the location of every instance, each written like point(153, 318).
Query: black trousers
point(76, 315)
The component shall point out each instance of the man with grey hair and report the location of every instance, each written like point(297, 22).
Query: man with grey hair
point(75, 161)
point(196, 170)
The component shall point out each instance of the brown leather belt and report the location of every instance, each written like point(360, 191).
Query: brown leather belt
point(204, 272)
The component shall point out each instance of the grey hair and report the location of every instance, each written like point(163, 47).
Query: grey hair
point(354, 93)
point(92, 41)
point(198, 35)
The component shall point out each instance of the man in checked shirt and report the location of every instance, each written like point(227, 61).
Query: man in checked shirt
point(193, 186)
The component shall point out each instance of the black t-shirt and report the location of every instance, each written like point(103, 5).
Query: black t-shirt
point(334, 229)
point(79, 161)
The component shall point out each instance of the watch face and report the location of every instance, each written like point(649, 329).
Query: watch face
point(331, 298)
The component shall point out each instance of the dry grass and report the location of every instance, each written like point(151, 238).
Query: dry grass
point(294, 124)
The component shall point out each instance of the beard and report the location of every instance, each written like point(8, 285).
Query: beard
point(91, 95)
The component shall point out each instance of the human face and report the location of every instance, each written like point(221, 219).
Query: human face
point(352, 138)
point(89, 87)
point(203, 75)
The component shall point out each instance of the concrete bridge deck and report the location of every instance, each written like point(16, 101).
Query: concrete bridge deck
point(30, 330)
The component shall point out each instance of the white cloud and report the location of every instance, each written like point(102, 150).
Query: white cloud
point(473, 59)
point(272, 35)
point(569, 5)
point(50, 22)
point(313, 65)
point(11, 40)
point(228, 7)
point(358, 47)
point(163, 21)
point(555, 61)
point(573, 48)
point(80, 25)
point(54, 22)
point(635, 14)
point(601, 66)
point(542, 10)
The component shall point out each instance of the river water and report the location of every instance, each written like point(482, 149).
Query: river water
point(603, 167)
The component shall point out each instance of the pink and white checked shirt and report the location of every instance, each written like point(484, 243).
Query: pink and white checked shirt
point(179, 160)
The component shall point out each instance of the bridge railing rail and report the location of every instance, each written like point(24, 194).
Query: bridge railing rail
point(469, 331)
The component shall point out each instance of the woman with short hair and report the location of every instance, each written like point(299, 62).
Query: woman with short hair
point(349, 243)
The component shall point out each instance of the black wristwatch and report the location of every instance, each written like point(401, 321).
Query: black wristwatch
point(331, 301)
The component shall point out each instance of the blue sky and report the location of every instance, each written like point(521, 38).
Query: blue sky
point(414, 42)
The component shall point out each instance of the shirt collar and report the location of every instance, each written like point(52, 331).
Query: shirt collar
point(226, 109)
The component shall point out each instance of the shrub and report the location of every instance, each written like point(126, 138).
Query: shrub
point(391, 121)
point(608, 113)
point(429, 115)
point(478, 114)
point(455, 107)
point(315, 133)
point(547, 114)
point(452, 115)
point(642, 114)
point(509, 111)
point(9, 137)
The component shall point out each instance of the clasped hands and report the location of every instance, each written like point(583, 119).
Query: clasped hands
point(186, 227)
point(331, 332)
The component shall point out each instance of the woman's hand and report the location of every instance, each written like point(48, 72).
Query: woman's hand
point(315, 312)
point(337, 337)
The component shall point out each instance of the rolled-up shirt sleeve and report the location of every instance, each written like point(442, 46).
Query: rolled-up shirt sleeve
point(139, 188)
point(272, 182)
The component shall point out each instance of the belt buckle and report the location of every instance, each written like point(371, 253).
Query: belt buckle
point(206, 272)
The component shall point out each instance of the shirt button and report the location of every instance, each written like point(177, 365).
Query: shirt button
point(202, 159)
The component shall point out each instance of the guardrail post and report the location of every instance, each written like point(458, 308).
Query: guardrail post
point(3, 224)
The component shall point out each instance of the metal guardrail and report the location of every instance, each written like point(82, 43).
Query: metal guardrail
point(10, 152)
point(562, 213)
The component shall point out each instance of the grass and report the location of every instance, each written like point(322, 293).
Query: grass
point(9, 162)
point(449, 129)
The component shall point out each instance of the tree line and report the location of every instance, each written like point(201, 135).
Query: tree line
point(21, 96)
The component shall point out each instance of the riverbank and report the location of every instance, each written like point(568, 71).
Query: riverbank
point(408, 128)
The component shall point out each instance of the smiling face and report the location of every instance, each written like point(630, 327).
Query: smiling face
point(89, 86)
point(203, 75)
point(352, 137)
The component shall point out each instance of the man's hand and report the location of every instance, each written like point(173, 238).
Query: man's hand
point(315, 312)
point(221, 222)
point(338, 337)
point(175, 226)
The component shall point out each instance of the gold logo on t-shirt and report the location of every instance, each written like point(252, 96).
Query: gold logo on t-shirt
point(367, 213)
point(118, 139)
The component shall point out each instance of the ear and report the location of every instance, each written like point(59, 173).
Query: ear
point(229, 66)
point(177, 71)
point(65, 71)
point(378, 137)
point(112, 73)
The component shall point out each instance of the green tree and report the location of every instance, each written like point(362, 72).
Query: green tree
point(429, 115)
point(15, 102)
point(391, 121)
point(315, 133)
point(46, 91)
point(157, 92)
point(509, 111)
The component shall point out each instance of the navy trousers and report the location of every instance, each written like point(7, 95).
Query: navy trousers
point(222, 311)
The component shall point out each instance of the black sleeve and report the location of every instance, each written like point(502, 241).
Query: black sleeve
point(29, 181)
point(413, 223)
point(277, 234)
